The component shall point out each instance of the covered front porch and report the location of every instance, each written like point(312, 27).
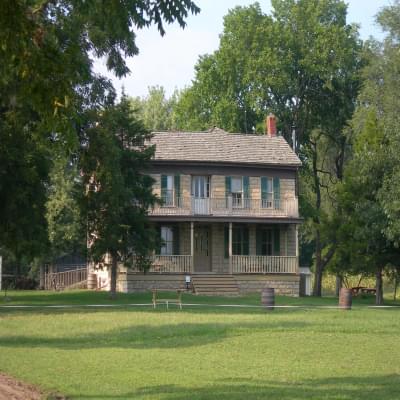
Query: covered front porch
point(226, 248)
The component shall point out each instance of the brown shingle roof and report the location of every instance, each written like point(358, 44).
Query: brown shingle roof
point(217, 145)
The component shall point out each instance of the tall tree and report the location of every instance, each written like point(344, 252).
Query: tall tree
point(47, 49)
point(302, 63)
point(156, 110)
point(369, 232)
point(118, 193)
point(66, 225)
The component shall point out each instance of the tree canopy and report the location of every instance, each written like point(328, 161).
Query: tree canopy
point(302, 63)
point(48, 89)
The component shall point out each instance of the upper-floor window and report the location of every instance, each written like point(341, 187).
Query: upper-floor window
point(201, 187)
point(270, 192)
point(237, 190)
point(170, 190)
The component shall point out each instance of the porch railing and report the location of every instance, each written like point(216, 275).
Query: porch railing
point(228, 206)
point(240, 264)
point(264, 264)
point(170, 264)
point(63, 280)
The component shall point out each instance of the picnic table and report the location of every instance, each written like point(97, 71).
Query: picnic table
point(356, 290)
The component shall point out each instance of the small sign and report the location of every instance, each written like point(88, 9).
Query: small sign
point(187, 279)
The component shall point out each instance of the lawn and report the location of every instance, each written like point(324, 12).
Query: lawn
point(202, 352)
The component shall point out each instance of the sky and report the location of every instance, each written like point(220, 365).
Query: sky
point(169, 61)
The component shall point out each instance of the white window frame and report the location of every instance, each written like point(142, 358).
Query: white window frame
point(269, 202)
point(169, 200)
point(206, 186)
point(237, 196)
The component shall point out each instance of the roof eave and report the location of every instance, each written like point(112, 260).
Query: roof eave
point(225, 164)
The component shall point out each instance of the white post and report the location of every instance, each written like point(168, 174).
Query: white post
point(230, 248)
point(192, 243)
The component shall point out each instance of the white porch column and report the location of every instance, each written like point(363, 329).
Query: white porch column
point(230, 248)
point(192, 243)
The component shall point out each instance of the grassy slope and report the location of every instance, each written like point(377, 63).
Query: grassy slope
point(201, 353)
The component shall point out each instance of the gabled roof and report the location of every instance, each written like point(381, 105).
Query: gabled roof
point(218, 146)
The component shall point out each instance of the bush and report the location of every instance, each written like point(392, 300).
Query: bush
point(21, 283)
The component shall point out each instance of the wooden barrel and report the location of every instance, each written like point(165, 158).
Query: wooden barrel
point(268, 298)
point(345, 299)
point(92, 281)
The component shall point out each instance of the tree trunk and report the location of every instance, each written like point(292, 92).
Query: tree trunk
point(396, 284)
point(379, 287)
point(339, 284)
point(113, 283)
point(317, 290)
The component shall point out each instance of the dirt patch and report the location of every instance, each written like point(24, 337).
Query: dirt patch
point(12, 389)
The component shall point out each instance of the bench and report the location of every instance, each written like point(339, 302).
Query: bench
point(177, 301)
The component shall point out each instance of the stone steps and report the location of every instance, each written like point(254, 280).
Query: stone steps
point(214, 285)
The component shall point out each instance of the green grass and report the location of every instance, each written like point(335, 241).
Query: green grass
point(201, 352)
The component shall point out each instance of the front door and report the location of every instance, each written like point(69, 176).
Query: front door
point(201, 195)
point(202, 249)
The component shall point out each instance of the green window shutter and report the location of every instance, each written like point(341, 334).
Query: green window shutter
point(164, 185)
point(175, 239)
point(277, 241)
point(245, 239)
point(226, 241)
point(264, 187)
point(228, 189)
point(277, 193)
point(259, 241)
point(246, 187)
point(177, 186)
point(228, 186)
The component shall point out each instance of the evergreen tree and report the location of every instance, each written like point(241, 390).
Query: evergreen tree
point(118, 192)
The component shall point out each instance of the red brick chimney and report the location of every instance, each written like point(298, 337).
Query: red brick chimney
point(270, 125)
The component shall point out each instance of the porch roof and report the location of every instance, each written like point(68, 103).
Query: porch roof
point(225, 219)
point(218, 146)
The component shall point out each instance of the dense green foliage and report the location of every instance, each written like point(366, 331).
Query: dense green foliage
point(118, 192)
point(302, 63)
point(204, 352)
point(156, 110)
point(49, 92)
point(368, 231)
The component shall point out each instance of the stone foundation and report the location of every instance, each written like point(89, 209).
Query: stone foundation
point(286, 285)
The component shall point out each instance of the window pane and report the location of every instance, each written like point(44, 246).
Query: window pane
point(167, 238)
point(170, 182)
point(236, 185)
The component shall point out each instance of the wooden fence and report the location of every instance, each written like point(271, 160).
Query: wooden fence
point(63, 280)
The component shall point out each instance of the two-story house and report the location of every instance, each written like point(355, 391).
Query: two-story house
point(229, 213)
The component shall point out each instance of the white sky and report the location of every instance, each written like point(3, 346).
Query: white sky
point(169, 61)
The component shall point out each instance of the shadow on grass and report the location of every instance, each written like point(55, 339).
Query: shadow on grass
point(149, 336)
point(385, 387)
